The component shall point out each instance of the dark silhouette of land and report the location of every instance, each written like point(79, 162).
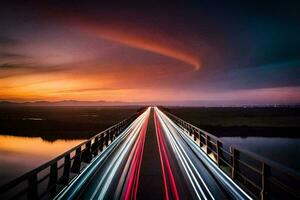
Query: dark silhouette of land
point(82, 122)
point(243, 122)
point(60, 122)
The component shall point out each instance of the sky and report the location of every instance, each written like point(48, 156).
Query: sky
point(230, 52)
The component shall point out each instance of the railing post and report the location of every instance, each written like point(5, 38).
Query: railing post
point(200, 138)
point(87, 154)
point(107, 138)
point(53, 179)
point(77, 161)
point(111, 135)
point(120, 129)
point(32, 187)
point(206, 143)
point(235, 155)
point(195, 135)
point(218, 152)
point(67, 166)
point(264, 181)
point(101, 142)
point(95, 146)
point(117, 131)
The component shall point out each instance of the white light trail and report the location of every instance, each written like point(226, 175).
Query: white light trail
point(123, 141)
point(188, 165)
point(226, 181)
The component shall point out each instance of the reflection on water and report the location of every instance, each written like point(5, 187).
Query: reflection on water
point(21, 154)
point(284, 151)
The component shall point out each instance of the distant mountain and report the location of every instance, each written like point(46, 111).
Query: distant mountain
point(148, 103)
point(65, 103)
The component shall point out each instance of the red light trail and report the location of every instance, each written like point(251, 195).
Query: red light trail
point(165, 161)
point(134, 171)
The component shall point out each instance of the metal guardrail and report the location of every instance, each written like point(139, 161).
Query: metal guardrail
point(261, 178)
point(45, 181)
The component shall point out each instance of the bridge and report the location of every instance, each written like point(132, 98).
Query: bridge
point(155, 155)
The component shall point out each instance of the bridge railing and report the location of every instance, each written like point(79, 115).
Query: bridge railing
point(259, 177)
point(45, 181)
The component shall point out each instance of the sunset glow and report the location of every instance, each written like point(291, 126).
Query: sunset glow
point(29, 146)
point(144, 55)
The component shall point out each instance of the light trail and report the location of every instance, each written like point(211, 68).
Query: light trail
point(187, 172)
point(190, 169)
point(110, 161)
point(235, 190)
point(176, 134)
point(132, 186)
point(103, 185)
point(107, 177)
point(165, 161)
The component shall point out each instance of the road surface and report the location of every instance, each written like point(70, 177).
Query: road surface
point(152, 159)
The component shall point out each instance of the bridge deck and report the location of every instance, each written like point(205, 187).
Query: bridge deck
point(160, 162)
point(192, 178)
point(151, 180)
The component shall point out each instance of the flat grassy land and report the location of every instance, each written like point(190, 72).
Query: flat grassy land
point(53, 123)
point(253, 121)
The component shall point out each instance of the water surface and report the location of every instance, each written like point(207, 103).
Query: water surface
point(22, 154)
point(284, 151)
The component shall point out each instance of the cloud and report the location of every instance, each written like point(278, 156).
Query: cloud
point(89, 89)
point(8, 66)
point(7, 41)
point(133, 36)
point(148, 45)
point(8, 70)
point(8, 55)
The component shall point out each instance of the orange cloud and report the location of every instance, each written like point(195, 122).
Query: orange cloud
point(149, 40)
